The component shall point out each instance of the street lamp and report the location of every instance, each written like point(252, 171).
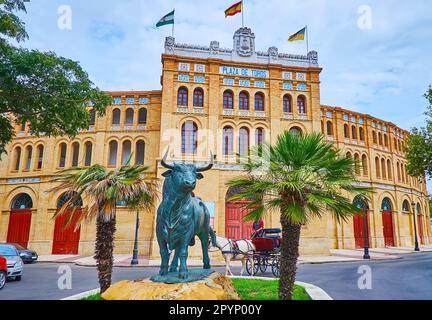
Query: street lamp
point(134, 260)
point(416, 245)
point(366, 235)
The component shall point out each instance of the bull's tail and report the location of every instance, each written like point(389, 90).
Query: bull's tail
point(212, 236)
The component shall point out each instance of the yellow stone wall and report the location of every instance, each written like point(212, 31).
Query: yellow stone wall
point(163, 129)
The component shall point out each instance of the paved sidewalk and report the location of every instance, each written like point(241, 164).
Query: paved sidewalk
point(336, 255)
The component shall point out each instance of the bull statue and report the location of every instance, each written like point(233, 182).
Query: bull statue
point(181, 216)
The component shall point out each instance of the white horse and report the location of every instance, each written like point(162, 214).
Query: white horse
point(235, 250)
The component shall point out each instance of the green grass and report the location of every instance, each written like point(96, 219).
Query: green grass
point(264, 290)
point(251, 289)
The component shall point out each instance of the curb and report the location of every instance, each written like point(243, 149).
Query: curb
point(81, 295)
point(315, 292)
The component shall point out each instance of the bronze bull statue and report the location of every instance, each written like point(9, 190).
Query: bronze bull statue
point(181, 216)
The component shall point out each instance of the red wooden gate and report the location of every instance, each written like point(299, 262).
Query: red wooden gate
point(235, 227)
point(388, 228)
point(420, 228)
point(359, 230)
point(66, 240)
point(19, 227)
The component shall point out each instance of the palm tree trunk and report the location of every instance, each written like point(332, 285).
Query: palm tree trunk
point(104, 248)
point(289, 256)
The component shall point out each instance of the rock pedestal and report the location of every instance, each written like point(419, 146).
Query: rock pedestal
point(213, 287)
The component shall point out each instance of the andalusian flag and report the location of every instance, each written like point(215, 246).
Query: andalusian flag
point(234, 9)
point(168, 19)
point(298, 36)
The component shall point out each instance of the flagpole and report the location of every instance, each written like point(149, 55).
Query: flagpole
point(172, 31)
point(242, 13)
point(307, 43)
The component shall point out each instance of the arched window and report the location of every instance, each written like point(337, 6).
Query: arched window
point(322, 127)
point(296, 130)
point(395, 143)
point(329, 128)
point(383, 169)
point(365, 165)
point(189, 138)
point(40, 155)
point(140, 152)
point(92, 117)
point(227, 144)
point(380, 140)
point(142, 116)
point(287, 104)
point(22, 201)
point(357, 163)
point(399, 146)
point(386, 205)
point(182, 97)
point(65, 197)
point(243, 101)
point(346, 131)
point(88, 154)
point(361, 134)
point(398, 172)
point(116, 116)
point(374, 137)
point(75, 154)
point(349, 155)
point(406, 206)
point(301, 104)
point(17, 158)
point(259, 136)
point(29, 154)
point(419, 209)
point(198, 98)
point(129, 116)
point(385, 140)
point(389, 170)
point(377, 168)
point(360, 203)
point(244, 141)
point(62, 158)
point(126, 151)
point(403, 173)
point(259, 102)
point(112, 157)
point(228, 100)
point(354, 132)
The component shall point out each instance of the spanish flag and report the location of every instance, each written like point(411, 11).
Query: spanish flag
point(300, 35)
point(234, 9)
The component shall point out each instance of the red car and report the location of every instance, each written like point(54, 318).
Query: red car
point(3, 272)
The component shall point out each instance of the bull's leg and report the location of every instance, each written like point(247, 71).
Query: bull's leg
point(164, 253)
point(174, 262)
point(205, 246)
point(183, 254)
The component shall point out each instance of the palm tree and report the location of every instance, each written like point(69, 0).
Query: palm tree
point(103, 189)
point(300, 177)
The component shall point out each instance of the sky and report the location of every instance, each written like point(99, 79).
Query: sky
point(375, 55)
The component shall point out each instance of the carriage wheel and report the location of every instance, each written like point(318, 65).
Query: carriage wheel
point(276, 266)
point(256, 266)
point(264, 264)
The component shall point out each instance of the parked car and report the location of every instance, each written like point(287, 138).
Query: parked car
point(13, 261)
point(28, 256)
point(3, 271)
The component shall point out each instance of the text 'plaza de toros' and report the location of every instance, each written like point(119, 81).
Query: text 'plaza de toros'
point(223, 101)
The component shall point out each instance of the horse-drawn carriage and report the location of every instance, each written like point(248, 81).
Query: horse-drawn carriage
point(267, 252)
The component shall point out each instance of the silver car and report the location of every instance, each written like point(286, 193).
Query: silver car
point(14, 261)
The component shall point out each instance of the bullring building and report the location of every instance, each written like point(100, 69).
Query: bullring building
point(223, 101)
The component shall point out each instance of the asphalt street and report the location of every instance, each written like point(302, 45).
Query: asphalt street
point(407, 278)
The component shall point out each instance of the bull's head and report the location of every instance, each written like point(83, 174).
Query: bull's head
point(184, 176)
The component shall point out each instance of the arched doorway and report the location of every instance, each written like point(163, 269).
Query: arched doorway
point(387, 219)
point(235, 227)
point(359, 223)
point(66, 239)
point(20, 220)
point(420, 223)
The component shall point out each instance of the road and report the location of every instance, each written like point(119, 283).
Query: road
point(406, 278)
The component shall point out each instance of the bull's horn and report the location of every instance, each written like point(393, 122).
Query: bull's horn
point(164, 163)
point(207, 167)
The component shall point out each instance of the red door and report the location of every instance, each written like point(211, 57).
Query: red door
point(19, 227)
point(388, 228)
point(235, 227)
point(66, 240)
point(359, 230)
point(420, 228)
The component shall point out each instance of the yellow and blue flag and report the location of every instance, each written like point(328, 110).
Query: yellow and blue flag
point(300, 35)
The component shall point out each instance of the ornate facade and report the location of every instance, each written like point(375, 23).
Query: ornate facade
point(222, 101)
